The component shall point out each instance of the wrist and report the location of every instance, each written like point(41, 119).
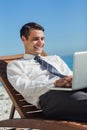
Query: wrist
point(55, 83)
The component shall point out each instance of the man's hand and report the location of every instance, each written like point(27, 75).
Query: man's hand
point(64, 82)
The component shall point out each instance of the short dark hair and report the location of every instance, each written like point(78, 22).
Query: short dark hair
point(25, 30)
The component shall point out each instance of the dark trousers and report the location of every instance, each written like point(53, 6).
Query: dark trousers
point(65, 105)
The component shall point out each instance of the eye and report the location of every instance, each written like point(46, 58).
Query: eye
point(42, 38)
point(35, 39)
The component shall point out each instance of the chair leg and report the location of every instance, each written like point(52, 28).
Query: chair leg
point(12, 115)
point(12, 112)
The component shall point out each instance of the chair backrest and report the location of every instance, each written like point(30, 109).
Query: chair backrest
point(26, 110)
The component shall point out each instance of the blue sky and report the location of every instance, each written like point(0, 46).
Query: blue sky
point(65, 23)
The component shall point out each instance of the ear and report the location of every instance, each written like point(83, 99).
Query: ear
point(23, 39)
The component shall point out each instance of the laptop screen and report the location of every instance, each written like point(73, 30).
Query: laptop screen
point(79, 70)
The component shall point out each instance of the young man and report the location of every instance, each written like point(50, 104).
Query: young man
point(34, 81)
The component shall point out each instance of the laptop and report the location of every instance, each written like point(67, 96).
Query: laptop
point(79, 80)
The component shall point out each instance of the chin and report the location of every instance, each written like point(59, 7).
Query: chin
point(39, 52)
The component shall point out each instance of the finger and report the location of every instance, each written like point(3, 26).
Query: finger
point(68, 85)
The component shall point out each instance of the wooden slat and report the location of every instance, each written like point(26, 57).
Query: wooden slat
point(43, 124)
point(11, 57)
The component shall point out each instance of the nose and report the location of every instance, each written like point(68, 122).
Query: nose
point(40, 42)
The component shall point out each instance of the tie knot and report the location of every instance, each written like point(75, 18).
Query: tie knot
point(36, 57)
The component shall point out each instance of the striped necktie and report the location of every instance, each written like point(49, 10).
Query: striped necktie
point(48, 66)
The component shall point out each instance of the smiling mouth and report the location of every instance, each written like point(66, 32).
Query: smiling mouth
point(38, 48)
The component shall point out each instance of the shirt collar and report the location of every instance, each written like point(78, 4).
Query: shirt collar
point(29, 56)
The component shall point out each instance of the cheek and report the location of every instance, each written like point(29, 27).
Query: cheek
point(29, 47)
point(43, 43)
point(34, 43)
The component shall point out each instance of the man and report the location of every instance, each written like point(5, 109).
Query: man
point(34, 81)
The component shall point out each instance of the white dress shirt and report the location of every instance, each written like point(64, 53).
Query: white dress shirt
point(28, 77)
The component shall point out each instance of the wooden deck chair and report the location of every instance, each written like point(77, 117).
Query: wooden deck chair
point(30, 116)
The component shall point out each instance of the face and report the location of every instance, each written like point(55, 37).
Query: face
point(35, 43)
